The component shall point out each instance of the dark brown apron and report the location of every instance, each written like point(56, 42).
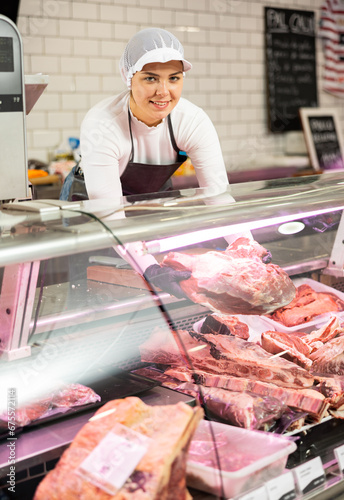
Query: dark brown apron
point(143, 178)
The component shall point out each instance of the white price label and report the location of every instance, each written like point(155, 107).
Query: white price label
point(309, 475)
point(339, 454)
point(282, 487)
point(258, 494)
point(114, 459)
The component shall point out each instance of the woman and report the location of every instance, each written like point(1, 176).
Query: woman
point(131, 143)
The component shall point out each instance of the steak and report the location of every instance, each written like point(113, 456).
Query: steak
point(225, 325)
point(333, 389)
point(307, 400)
point(293, 347)
point(227, 355)
point(241, 409)
point(327, 332)
point(161, 472)
point(241, 358)
point(306, 305)
point(330, 357)
point(164, 350)
point(235, 281)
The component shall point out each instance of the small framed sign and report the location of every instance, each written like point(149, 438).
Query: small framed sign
point(323, 138)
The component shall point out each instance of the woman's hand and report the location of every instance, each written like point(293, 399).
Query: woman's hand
point(167, 279)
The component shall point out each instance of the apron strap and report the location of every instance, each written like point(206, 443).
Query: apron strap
point(174, 144)
point(173, 141)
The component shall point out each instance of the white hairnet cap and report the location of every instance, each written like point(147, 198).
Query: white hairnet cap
point(150, 45)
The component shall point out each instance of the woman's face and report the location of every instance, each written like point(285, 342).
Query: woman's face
point(155, 91)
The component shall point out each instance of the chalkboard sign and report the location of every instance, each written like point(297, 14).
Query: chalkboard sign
point(291, 66)
point(323, 138)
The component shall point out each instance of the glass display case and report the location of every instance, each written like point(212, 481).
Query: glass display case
point(75, 308)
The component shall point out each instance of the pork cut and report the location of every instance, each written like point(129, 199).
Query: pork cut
point(159, 475)
point(292, 347)
point(235, 281)
point(306, 305)
point(224, 324)
point(329, 331)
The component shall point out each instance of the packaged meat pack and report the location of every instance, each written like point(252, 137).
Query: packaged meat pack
point(318, 321)
point(247, 458)
point(93, 462)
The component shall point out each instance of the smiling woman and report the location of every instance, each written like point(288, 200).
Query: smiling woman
point(134, 142)
point(155, 91)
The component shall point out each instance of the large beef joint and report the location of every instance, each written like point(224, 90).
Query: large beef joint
point(159, 475)
point(235, 281)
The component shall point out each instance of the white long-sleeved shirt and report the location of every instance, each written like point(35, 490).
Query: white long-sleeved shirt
point(105, 145)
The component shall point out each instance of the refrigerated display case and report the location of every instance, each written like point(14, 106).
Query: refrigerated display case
point(75, 309)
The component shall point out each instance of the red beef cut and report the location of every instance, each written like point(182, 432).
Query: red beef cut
point(225, 325)
point(235, 281)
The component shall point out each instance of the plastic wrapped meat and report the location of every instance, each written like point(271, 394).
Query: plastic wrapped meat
point(159, 474)
point(235, 281)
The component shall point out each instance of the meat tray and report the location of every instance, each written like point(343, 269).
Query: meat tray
point(318, 321)
point(251, 457)
point(256, 325)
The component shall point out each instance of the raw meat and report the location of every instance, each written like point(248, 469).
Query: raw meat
point(66, 397)
point(329, 358)
point(225, 325)
point(234, 356)
point(235, 281)
point(74, 395)
point(241, 409)
point(306, 305)
point(163, 350)
point(308, 400)
point(226, 355)
point(160, 474)
point(332, 388)
point(319, 337)
point(279, 342)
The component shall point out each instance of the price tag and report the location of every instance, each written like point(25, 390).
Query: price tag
point(258, 494)
point(114, 459)
point(339, 454)
point(282, 487)
point(309, 475)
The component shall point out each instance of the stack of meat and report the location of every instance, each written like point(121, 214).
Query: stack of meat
point(248, 384)
point(239, 381)
point(159, 474)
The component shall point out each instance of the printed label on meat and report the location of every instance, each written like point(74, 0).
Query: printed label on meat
point(114, 459)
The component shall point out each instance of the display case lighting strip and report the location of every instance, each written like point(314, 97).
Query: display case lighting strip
point(183, 240)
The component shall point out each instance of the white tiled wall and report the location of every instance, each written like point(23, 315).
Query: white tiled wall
point(79, 43)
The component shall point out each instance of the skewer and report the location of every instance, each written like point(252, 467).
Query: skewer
point(279, 354)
